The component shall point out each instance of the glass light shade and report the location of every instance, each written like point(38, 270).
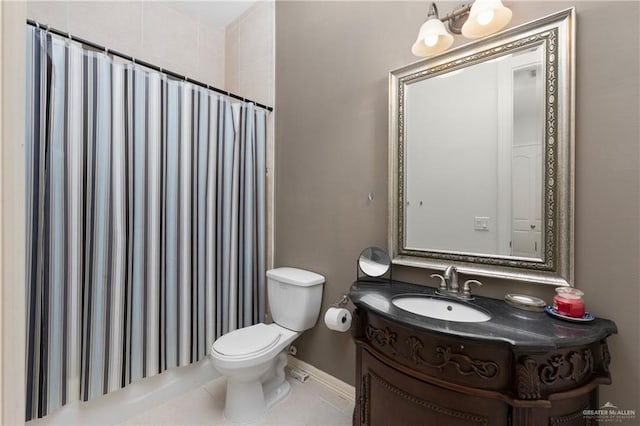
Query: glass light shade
point(486, 17)
point(433, 38)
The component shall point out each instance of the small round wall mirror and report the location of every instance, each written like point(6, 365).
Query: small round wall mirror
point(374, 262)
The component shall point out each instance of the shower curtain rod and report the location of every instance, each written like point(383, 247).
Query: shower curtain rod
point(143, 63)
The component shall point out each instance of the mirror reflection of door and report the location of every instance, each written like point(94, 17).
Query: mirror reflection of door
point(523, 151)
point(526, 220)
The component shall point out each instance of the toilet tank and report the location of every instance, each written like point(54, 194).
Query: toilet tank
point(294, 297)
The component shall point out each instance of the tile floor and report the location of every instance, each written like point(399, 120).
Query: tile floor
point(309, 403)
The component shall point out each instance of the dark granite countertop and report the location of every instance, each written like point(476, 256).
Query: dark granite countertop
point(524, 330)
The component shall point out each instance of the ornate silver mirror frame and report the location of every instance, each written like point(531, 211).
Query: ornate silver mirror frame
point(556, 33)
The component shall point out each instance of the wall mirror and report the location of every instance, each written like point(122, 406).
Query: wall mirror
point(481, 156)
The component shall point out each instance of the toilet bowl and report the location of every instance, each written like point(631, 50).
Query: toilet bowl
point(253, 358)
point(248, 357)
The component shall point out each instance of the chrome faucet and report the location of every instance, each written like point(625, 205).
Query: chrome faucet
point(449, 284)
point(451, 278)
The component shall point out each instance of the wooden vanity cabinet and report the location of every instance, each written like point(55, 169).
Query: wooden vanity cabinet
point(390, 397)
point(414, 377)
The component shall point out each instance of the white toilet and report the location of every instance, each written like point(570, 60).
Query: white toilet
point(253, 358)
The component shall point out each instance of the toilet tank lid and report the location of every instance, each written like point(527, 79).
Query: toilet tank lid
point(295, 276)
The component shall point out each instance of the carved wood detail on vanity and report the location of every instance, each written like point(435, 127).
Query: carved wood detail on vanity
point(539, 376)
point(606, 356)
point(364, 399)
point(528, 381)
point(464, 363)
point(381, 337)
point(570, 366)
point(578, 366)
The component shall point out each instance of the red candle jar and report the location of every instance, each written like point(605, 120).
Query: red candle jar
point(569, 302)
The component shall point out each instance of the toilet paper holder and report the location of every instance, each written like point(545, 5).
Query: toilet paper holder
point(338, 316)
point(344, 300)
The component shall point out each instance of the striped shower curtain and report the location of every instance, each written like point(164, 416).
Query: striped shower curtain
point(146, 227)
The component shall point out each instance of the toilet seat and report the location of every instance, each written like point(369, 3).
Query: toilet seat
point(247, 342)
point(250, 346)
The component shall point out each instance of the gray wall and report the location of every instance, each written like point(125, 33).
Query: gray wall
point(332, 62)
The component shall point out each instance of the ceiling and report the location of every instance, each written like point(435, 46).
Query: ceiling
point(219, 13)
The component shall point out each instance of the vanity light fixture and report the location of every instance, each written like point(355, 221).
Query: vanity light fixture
point(477, 19)
point(486, 17)
point(433, 37)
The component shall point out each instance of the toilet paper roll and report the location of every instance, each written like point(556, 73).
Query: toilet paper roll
point(338, 319)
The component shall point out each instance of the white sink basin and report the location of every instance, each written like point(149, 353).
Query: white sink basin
point(440, 309)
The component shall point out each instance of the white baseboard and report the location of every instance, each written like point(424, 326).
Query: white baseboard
point(343, 389)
